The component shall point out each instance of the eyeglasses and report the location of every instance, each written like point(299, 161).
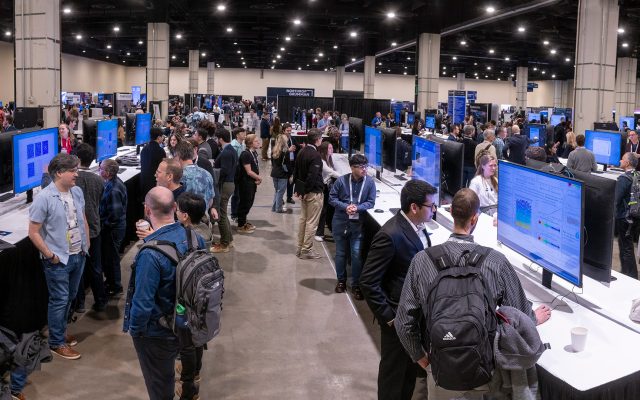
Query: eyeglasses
point(360, 166)
point(433, 206)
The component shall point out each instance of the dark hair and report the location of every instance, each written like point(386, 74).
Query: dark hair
point(85, 153)
point(224, 135)
point(323, 149)
point(536, 153)
point(193, 205)
point(156, 132)
point(40, 123)
point(202, 132)
point(184, 150)
point(415, 191)
point(358, 159)
point(464, 206)
point(9, 119)
point(285, 126)
point(110, 167)
point(62, 162)
point(313, 135)
point(580, 140)
point(236, 131)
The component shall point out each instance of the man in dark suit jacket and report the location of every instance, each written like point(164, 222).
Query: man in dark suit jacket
point(392, 250)
point(150, 157)
point(515, 147)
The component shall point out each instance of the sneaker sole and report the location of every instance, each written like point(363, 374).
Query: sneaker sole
point(219, 251)
point(65, 357)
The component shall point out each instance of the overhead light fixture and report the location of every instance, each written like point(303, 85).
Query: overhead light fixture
point(353, 59)
point(203, 54)
point(66, 10)
point(394, 44)
point(391, 14)
point(553, 51)
point(553, 76)
point(335, 46)
point(78, 37)
point(244, 63)
point(546, 43)
point(486, 76)
point(278, 56)
point(544, 72)
point(128, 53)
point(108, 46)
point(221, 7)
point(325, 70)
point(273, 61)
point(405, 67)
point(235, 43)
point(388, 70)
point(488, 68)
point(297, 22)
point(353, 34)
point(107, 57)
point(620, 30)
point(507, 59)
point(242, 58)
point(379, 72)
point(173, 57)
point(625, 44)
point(123, 61)
point(239, 51)
point(454, 58)
point(444, 67)
point(475, 73)
point(463, 42)
point(491, 9)
point(475, 64)
point(183, 62)
point(272, 67)
point(491, 51)
point(315, 60)
point(521, 29)
point(229, 29)
point(567, 59)
point(379, 63)
point(512, 75)
point(140, 42)
point(281, 48)
point(116, 28)
point(299, 68)
point(404, 73)
point(7, 33)
point(498, 78)
point(444, 72)
point(353, 70)
point(535, 68)
point(477, 77)
point(409, 58)
point(287, 38)
point(321, 54)
point(179, 36)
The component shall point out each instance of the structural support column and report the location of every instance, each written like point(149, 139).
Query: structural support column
point(369, 76)
point(522, 80)
point(428, 71)
point(158, 65)
point(37, 51)
point(568, 93)
point(211, 70)
point(597, 36)
point(461, 77)
point(339, 78)
point(194, 66)
point(626, 87)
point(557, 93)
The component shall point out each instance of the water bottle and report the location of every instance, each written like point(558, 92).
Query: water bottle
point(182, 323)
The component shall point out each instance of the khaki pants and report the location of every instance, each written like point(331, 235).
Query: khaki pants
point(309, 217)
point(438, 393)
point(223, 219)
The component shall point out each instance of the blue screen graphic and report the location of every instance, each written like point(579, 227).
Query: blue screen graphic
point(32, 153)
point(411, 116)
point(556, 119)
point(605, 146)
point(373, 147)
point(430, 121)
point(629, 120)
point(143, 128)
point(537, 133)
point(426, 163)
point(107, 141)
point(540, 217)
point(533, 116)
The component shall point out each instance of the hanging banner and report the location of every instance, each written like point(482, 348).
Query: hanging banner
point(135, 95)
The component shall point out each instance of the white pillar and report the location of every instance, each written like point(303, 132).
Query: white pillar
point(569, 93)
point(596, 48)
point(369, 76)
point(339, 78)
point(522, 80)
point(557, 93)
point(460, 81)
point(428, 71)
point(37, 52)
point(626, 71)
point(211, 70)
point(194, 67)
point(158, 65)
point(637, 96)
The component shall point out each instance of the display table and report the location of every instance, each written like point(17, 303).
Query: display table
point(23, 289)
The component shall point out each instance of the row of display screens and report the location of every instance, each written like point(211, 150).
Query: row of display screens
point(539, 214)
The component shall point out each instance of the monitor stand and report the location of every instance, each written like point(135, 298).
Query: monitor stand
point(6, 196)
point(546, 278)
point(29, 196)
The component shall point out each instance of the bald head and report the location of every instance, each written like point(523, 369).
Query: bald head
point(160, 201)
point(515, 129)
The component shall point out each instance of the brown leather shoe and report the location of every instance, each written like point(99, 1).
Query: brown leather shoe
point(341, 287)
point(357, 293)
point(70, 340)
point(18, 396)
point(66, 352)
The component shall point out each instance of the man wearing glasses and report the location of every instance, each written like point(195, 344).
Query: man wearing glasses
point(633, 145)
point(352, 195)
point(392, 250)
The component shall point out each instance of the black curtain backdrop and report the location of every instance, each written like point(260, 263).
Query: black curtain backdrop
point(362, 108)
point(286, 105)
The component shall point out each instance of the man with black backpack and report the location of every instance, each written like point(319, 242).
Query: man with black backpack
point(151, 296)
point(446, 316)
point(626, 202)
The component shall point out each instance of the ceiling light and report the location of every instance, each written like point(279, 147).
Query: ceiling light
point(409, 58)
point(553, 51)
point(173, 57)
point(521, 29)
point(507, 59)
point(183, 61)
point(107, 57)
point(477, 77)
point(543, 72)
point(229, 29)
point(353, 59)
point(273, 61)
point(123, 61)
point(491, 9)
point(379, 63)
point(235, 43)
point(116, 28)
point(475, 73)
point(307, 65)
point(444, 67)
point(444, 72)
point(546, 43)
point(567, 59)
point(512, 75)
point(625, 44)
point(278, 56)
point(84, 51)
point(488, 68)
point(244, 63)
point(491, 51)
point(405, 67)
point(221, 7)
point(178, 36)
point(7, 33)
point(553, 76)
point(272, 67)
point(475, 64)
point(78, 37)
point(239, 51)
point(388, 70)
point(391, 14)
point(299, 68)
point(242, 58)
point(394, 44)
point(287, 38)
point(108, 46)
point(66, 10)
point(463, 42)
point(379, 72)
point(203, 54)
point(325, 70)
point(486, 76)
point(281, 48)
point(297, 22)
point(535, 68)
point(353, 34)
point(404, 73)
point(218, 65)
point(620, 30)
point(454, 58)
point(140, 42)
point(128, 53)
point(321, 54)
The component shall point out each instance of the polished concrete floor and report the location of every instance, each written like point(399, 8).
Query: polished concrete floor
point(285, 334)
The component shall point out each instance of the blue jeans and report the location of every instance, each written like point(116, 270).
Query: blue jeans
point(280, 185)
point(18, 380)
point(347, 236)
point(344, 143)
point(62, 282)
point(111, 239)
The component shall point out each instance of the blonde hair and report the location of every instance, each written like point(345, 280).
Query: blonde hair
point(280, 146)
point(248, 141)
point(484, 160)
point(571, 139)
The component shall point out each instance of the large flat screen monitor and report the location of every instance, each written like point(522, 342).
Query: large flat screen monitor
point(533, 117)
point(32, 153)
point(427, 162)
point(556, 119)
point(143, 128)
point(606, 146)
point(389, 149)
point(373, 147)
point(629, 123)
point(537, 132)
point(430, 121)
point(411, 116)
point(107, 139)
point(452, 168)
point(540, 216)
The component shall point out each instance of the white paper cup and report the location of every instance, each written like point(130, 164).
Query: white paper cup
point(143, 225)
point(579, 338)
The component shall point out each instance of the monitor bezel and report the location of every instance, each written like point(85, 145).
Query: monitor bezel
point(23, 135)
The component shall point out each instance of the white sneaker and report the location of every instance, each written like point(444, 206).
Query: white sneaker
point(284, 208)
point(319, 238)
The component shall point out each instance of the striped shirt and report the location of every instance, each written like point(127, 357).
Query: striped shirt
point(497, 272)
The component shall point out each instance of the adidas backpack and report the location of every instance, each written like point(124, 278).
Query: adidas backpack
point(460, 321)
point(199, 287)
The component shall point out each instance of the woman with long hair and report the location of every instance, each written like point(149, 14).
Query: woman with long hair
point(329, 176)
point(485, 183)
point(275, 131)
point(172, 143)
point(67, 140)
point(281, 169)
point(570, 145)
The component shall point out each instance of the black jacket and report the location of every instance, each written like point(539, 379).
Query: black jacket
point(227, 161)
point(623, 194)
point(309, 170)
point(386, 267)
point(514, 149)
point(281, 167)
point(150, 157)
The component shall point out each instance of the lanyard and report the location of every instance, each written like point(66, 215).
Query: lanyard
point(66, 212)
point(352, 188)
point(634, 149)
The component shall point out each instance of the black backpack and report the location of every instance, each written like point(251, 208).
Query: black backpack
point(633, 210)
point(460, 321)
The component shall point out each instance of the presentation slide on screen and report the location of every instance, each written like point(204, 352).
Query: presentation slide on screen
point(605, 146)
point(373, 147)
point(536, 132)
point(31, 155)
point(539, 216)
point(426, 163)
point(533, 117)
point(143, 128)
point(556, 119)
point(430, 122)
point(107, 141)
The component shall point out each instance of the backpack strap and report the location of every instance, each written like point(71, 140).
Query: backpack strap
point(192, 239)
point(166, 248)
point(439, 257)
point(477, 256)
